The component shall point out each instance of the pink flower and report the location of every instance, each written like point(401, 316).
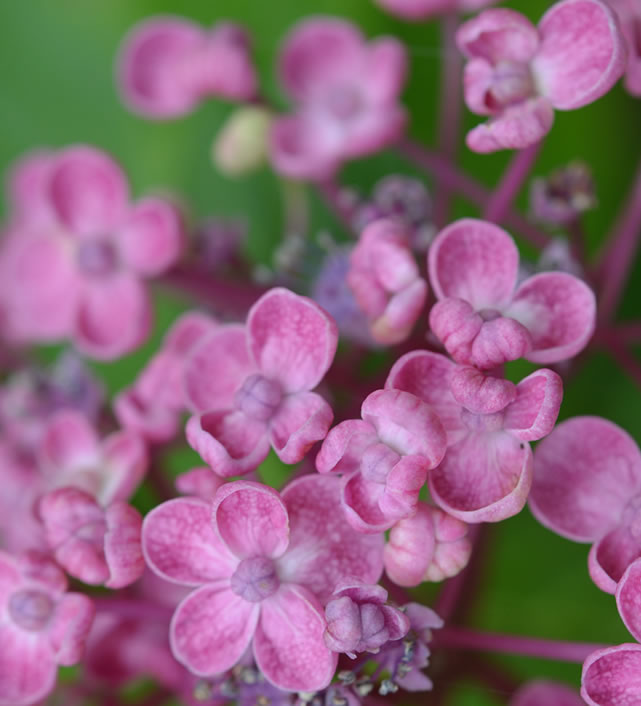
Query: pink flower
point(484, 319)
point(261, 564)
point(629, 13)
point(384, 458)
point(518, 74)
point(77, 251)
point(421, 9)
point(428, 546)
point(487, 470)
point(167, 65)
point(152, 405)
point(41, 627)
point(545, 693)
point(346, 91)
point(358, 619)
point(251, 385)
point(385, 280)
point(95, 535)
point(587, 487)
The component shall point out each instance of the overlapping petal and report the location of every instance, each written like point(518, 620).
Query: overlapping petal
point(611, 676)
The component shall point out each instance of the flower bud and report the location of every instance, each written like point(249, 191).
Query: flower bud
point(241, 145)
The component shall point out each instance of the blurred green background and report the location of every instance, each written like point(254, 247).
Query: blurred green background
point(57, 88)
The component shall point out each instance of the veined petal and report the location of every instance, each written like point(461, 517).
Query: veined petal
point(611, 676)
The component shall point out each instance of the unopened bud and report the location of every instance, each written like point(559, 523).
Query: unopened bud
point(241, 146)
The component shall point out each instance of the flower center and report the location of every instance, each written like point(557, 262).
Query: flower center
point(344, 102)
point(96, 257)
point(490, 314)
point(377, 462)
point(511, 83)
point(482, 422)
point(30, 609)
point(259, 397)
point(255, 579)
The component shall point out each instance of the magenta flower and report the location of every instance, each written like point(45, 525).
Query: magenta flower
point(94, 533)
point(167, 65)
point(262, 565)
point(42, 626)
point(487, 470)
point(386, 282)
point(346, 91)
point(251, 385)
point(153, 404)
point(358, 619)
point(545, 693)
point(428, 546)
point(587, 487)
point(518, 74)
point(77, 251)
point(484, 319)
point(384, 458)
point(629, 13)
point(421, 9)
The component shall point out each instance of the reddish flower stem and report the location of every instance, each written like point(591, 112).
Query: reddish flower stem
point(625, 332)
point(508, 188)
point(466, 639)
point(468, 187)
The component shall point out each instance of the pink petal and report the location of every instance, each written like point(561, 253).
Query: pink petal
point(229, 441)
point(149, 62)
point(69, 442)
point(88, 191)
point(559, 311)
point(415, 9)
point(323, 548)
point(70, 627)
point(611, 676)
point(291, 339)
point(582, 53)
point(612, 554)
point(301, 420)
point(475, 261)
point(478, 76)
point(216, 368)
point(114, 317)
point(151, 238)
point(628, 593)
point(27, 185)
point(289, 646)
point(400, 315)
point(546, 693)
point(154, 423)
point(200, 482)
point(360, 501)
point(125, 460)
point(481, 393)
point(387, 62)
point(486, 477)
point(406, 424)
point(211, 629)
point(517, 127)
point(586, 471)
point(27, 667)
point(498, 35)
point(344, 445)
point(534, 412)
point(251, 519)
point(180, 545)
point(187, 330)
point(123, 551)
point(404, 483)
point(410, 549)
point(426, 375)
point(10, 576)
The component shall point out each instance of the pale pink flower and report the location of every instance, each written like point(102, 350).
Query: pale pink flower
point(518, 74)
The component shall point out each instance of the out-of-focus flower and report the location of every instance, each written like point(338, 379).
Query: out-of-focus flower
point(564, 195)
point(546, 693)
point(241, 145)
point(422, 9)
point(629, 13)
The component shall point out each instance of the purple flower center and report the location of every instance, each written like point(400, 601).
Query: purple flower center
point(511, 83)
point(30, 609)
point(482, 422)
point(96, 257)
point(377, 462)
point(255, 579)
point(344, 102)
point(259, 397)
point(490, 314)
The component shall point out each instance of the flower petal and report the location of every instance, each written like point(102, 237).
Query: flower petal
point(69, 442)
point(534, 412)
point(359, 498)
point(70, 627)
point(180, 545)
point(546, 693)
point(582, 53)
point(585, 472)
point(211, 629)
point(498, 35)
point(481, 393)
point(628, 593)
point(291, 339)
point(123, 551)
point(289, 646)
point(612, 554)
point(611, 676)
point(344, 445)
point(251, 519)
point(126, 460)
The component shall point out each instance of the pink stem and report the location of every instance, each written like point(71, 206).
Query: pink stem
point(465, 639)
point(618, 256)
point(450, 113)
point(517, 172)
point(469, 188)
point(625, 332)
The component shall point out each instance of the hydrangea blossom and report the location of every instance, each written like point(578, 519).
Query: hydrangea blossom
point(261, 564)
point(384, 458)
point(422, 9)
point(484, 319)
point(518, 74)
point(251, 385)
point(486, 473)
point(167, 65)
point(41, 626)
point(74, 260)
point(346, 93)
point(587, 487)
